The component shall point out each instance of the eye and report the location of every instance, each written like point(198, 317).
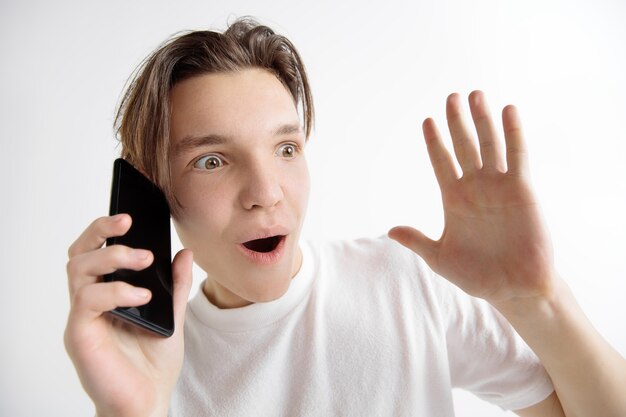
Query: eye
point(287, 150)
point(209, 163)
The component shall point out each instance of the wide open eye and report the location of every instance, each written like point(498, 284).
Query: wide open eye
point(209, 162)
point(287, 150)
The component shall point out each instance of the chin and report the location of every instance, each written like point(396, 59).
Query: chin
point(250, 282)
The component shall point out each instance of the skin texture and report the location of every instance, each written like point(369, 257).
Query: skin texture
point(263, 182)
point(494, 244)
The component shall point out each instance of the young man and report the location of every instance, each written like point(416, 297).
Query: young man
point(282, 327)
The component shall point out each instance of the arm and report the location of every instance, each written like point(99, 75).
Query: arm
point(588, 374)
point(496, 247)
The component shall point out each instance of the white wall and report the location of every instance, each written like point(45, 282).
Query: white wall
point(377, 72)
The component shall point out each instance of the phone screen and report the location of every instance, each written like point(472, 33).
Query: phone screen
point(136, 195)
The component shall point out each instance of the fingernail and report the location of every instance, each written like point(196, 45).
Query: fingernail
point(141, 292)
point(477, 97)
point(140, 254)
point(117, 217)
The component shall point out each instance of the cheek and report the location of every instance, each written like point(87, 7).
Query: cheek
point(299, 185)
point(205, 210)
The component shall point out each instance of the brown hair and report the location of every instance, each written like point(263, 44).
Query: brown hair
point(142, 119)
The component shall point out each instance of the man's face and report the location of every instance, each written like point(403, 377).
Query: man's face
point(239, 172)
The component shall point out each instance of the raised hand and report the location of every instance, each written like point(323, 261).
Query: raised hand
point(125, 370)
point(494, 244)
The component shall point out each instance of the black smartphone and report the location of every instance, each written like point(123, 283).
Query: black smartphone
point(136, 195)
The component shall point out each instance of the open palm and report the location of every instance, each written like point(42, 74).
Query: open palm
point(494, 244)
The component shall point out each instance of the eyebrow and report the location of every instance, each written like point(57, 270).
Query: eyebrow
point(287, 129)
point(192, 142)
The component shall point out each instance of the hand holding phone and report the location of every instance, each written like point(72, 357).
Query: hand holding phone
point(125, 371)
point(133, 193)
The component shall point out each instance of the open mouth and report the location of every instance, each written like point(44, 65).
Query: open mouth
point(265, 245)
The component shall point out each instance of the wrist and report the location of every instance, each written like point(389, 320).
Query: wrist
point(156, 413)
point(554, 326)
point(588, 374)
point(546, 306)
point(135, 410)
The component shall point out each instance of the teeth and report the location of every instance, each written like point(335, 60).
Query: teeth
point(265, 245)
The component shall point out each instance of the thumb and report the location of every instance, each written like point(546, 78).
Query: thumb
point(181, 270)
point(416, 241)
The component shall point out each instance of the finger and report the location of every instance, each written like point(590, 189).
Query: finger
point(516, 152)
point(440, 158)
point(181, 271)
point(90, 301)
point(84, 269)
point(416, 241)
point(94, 236)
point(464, 146)
point(490, 146)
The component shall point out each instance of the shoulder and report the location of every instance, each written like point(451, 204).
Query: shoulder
point(380, 253)
point(380, 269)
point(372, 263)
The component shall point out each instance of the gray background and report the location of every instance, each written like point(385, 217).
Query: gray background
point(377, 71)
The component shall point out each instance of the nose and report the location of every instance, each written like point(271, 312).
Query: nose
point(261, 186)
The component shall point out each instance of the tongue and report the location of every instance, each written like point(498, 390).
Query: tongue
point(263, 245)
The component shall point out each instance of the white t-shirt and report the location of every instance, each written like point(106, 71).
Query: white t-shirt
point(365, 329)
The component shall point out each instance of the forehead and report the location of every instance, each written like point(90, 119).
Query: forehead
point(235, 104)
